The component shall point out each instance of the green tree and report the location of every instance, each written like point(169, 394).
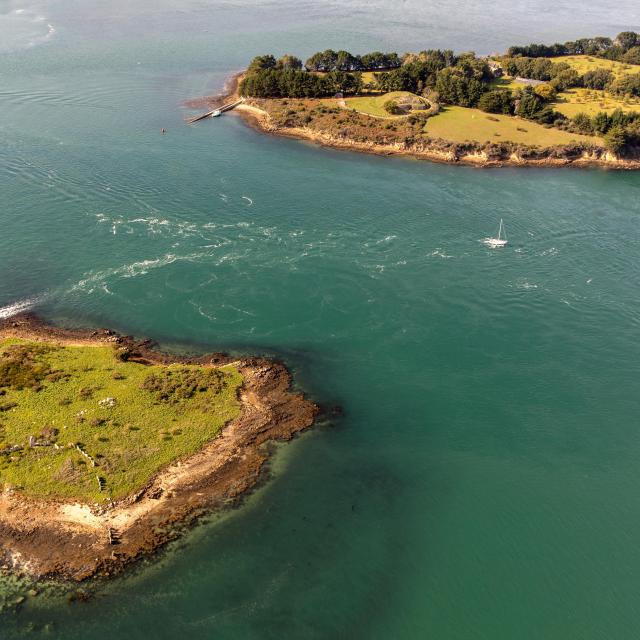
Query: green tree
point(565, 79)
point(347, 62)
point(626, 85)
point(322, 61)
point(582, 123)
point(601, 122)
point(632, 56)
point(532, 107)
point(627, 39)
point(545, 91)
point(498, 101)
point(454, 87)
point(262, 62)
point(633, 133)
point(615, 139)
point(379, 60)
point(289, 62)
point(391, 106)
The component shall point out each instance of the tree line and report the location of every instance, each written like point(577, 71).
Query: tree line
point(329, 60)
point(625, 47)
point(295, 83)
point(620, 129)
point(459, 80)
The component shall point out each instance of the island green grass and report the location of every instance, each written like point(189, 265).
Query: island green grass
point(461, 125)
point(507, 82)
point(584, 63)
point(590, 101)
point(53, 394)
point(373, 105)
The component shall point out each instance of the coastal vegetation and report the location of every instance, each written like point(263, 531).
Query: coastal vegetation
point(86, 422)
point(624, 48)
point(585, 92)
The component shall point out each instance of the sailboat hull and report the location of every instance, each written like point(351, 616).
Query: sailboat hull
point(495, 242)
point(500, 241)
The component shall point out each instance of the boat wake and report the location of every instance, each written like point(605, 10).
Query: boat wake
point(439, 253)
point(19, 307)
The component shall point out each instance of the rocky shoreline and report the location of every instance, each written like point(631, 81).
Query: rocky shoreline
point(62, 539)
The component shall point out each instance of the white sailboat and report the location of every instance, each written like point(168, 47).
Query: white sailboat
point(500, 241)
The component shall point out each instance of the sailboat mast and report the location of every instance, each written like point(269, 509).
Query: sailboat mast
point(500, 230)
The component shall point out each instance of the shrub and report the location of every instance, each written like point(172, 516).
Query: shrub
point(20, 367)
point(582, 123)
point(597, 79)
point(175, 385)
point(545, 91)
point(391, 106)
point(632, 56)
point(615, 139)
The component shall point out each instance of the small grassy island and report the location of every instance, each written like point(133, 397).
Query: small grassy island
point(576, 102)
point(106, 444)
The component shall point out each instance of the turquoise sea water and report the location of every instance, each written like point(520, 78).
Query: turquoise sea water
point(484, 482)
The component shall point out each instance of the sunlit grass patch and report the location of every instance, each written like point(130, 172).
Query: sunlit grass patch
point(79, 422)
point(461, 124)
point(374, 105)
point(591, 101)
point(584, 63)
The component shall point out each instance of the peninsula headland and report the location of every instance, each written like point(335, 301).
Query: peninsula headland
point(574, 103)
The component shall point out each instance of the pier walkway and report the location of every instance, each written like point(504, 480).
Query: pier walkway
point(217, 111)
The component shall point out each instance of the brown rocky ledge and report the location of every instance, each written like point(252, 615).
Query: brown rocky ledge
point(266, 115)
point(54, 538)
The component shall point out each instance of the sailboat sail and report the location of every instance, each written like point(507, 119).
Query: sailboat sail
point(500, 241)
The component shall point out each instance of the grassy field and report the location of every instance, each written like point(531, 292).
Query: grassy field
point(374, 105)
point(578, 100)
point(582, 64)
point(130, 419)
point(506, 82)
point(367, 76)
point(460, 125)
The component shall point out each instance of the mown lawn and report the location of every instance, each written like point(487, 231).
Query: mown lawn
point(374, 105)
point(157, 414)
point(461, 124)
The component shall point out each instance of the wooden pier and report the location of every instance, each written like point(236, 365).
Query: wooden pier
point(222, 109)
